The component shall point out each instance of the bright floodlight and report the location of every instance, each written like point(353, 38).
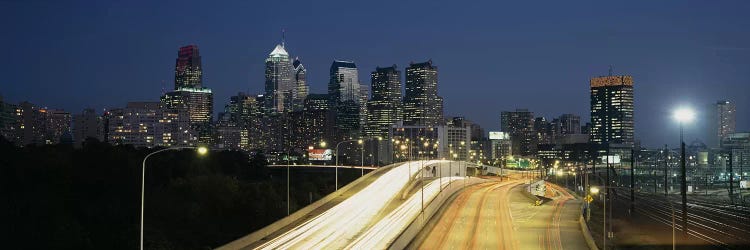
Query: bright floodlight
point(594, 190)
point(202, 150)
point(684, 115)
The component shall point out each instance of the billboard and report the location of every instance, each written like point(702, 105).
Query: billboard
point(319, 154)
point(613, 159)
point(497, 135)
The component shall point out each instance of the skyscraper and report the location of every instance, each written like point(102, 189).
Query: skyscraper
point(725, 119)
point(345, 99)
point(188, 72)
point(301, 89)
point(384, 107)
point(519, 125)
point(422, 105)
point(280, 81)
point(612, 110)
point(190, 105)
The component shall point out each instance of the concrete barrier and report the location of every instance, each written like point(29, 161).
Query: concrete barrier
point(587, 234)
point(286, 221)
point(411, 231)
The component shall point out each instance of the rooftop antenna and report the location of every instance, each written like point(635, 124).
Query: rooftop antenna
point(610, 70)
point(283, 37)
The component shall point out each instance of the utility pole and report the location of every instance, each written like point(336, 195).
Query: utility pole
point(632, 181)
point(731, 177)
point(666, 170)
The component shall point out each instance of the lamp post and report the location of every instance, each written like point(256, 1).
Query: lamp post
point(683, 115)
point(200, 150)
point(594, 191)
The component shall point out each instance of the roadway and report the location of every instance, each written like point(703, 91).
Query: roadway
point(499, 215)
point(361, 213)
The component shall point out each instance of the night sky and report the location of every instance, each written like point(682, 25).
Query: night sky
point(491, 56)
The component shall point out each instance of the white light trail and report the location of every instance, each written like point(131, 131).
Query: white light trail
point(339, 225)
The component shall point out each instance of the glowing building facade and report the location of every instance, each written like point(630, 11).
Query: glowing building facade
point(612, 110)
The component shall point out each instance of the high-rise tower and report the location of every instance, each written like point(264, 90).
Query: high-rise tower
point(301, 89)
point(345, 97)
point(279, 80)
point(612, 110)
point(725, 123)
point(422, 105)
point(188, 72)
point(384, 107)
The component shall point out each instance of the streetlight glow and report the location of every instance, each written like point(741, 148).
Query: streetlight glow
point(594, 190)
point(202, 150)
point(684, 115)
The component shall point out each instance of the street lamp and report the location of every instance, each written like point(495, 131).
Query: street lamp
point(201, 150)
point(683, 115)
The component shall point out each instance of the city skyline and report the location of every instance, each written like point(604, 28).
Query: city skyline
point(681, 82)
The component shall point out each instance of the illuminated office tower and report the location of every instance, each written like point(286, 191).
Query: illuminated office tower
point(384, 107)
point(345, 99)
point(725, 123)
point(280, 82)
point(301, 89)
point(422, 105)
point(519, 124)
point(188, 110)
point(188, 71)
point(612, 110)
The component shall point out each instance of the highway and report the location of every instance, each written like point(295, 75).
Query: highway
point(342, 224)
point(497, 215)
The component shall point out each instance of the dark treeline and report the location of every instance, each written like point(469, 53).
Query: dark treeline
point(58, 197)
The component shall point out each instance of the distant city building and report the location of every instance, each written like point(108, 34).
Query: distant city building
point(384, 108)
point(586, 128)
point(239, 123)
point(739, 146)
point(543, 130)
point(36, 125)
point(87, 125)
point(280, 82)
point(612, 110)
point(566, 124)
point(480, 147)
point(140, 124)
point(188, 71)
point(455, 143)
point(300, 83)
point(501, 147)
point(725, 122)
point(567, 130)
point(519, 124)
point(422, 105)
point(188, 109)
point(345, 95)
point(192, 110)
point(316, 110)
point(418, 142)
point(8, 121)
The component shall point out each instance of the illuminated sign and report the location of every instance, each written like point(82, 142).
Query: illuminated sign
point(319, 154)
point(613, 159)
point(496, 135)
point(605, 81)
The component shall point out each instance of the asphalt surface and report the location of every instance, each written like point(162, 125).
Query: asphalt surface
point(498, 215)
